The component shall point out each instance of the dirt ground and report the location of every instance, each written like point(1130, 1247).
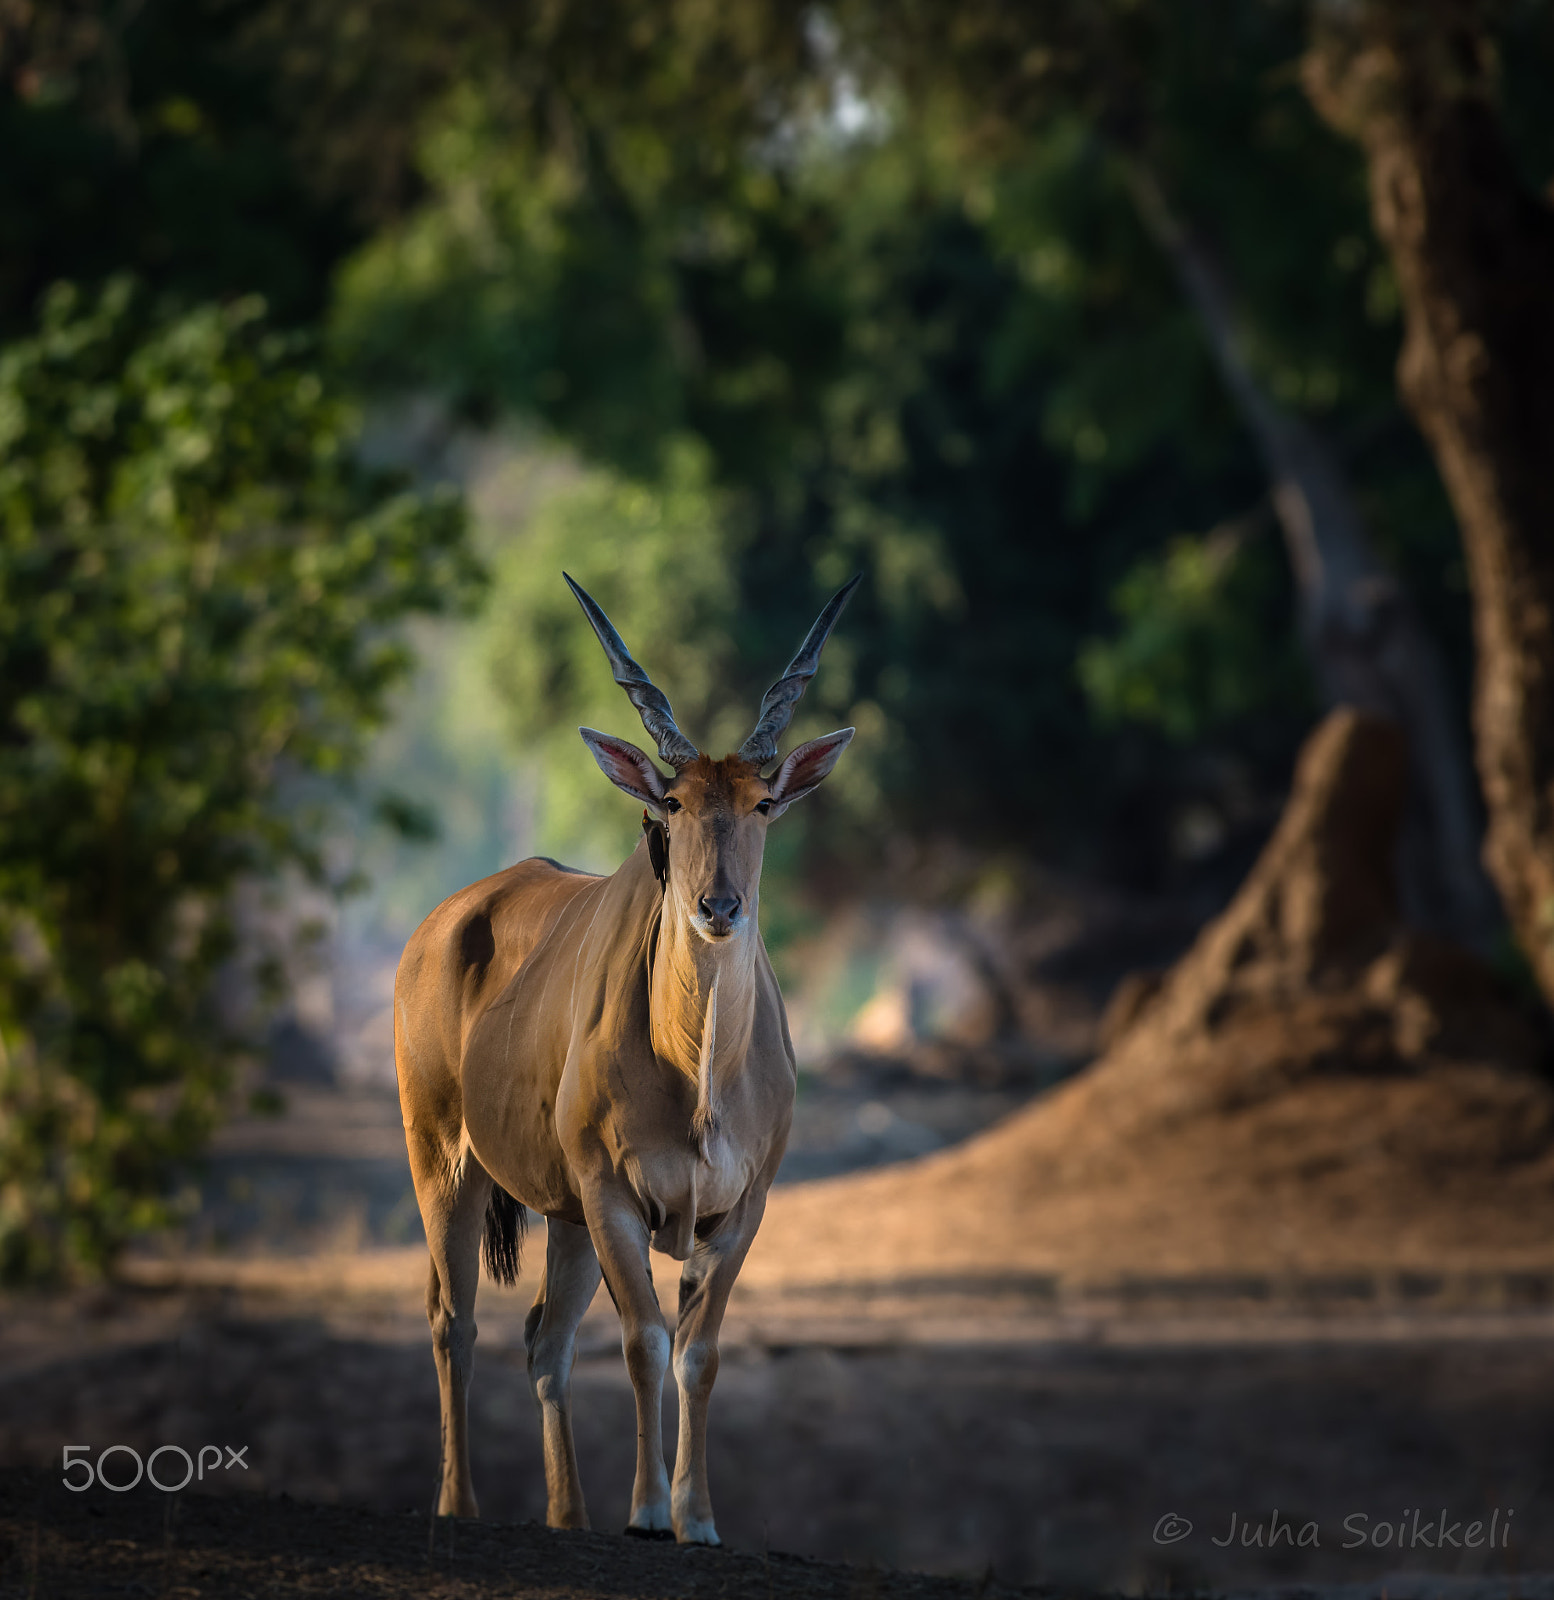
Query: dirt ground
point(1261, 1302)
point(1050, 1450)
point(1054, 1418)
point(192, 1545)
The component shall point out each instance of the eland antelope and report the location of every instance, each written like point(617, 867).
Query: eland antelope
point(613, 1053)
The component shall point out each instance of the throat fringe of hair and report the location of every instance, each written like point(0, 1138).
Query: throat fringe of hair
point(705, 1123)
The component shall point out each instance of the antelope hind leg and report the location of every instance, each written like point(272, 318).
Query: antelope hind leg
point(454, 1214)
point(571, 1281)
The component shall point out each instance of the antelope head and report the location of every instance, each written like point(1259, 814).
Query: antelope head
point(715, 812)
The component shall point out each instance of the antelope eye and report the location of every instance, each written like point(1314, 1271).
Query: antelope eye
point(764, 807)
point(671, 805)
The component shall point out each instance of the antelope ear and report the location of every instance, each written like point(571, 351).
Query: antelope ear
point(806, 768)
point(627, 768)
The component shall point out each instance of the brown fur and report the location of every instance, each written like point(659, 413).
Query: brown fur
point(551, 1038)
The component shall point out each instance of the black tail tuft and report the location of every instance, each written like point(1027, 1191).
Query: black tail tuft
point(505, 1224)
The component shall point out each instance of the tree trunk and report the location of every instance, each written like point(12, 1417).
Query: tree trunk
point(1474, 255)
point(1365, 639)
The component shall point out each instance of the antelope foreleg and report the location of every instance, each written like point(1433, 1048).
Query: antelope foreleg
point(705, 1285)
point(620, 1238)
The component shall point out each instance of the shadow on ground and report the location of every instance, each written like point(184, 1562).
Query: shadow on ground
point(1053, 1462)
point(56, 1544)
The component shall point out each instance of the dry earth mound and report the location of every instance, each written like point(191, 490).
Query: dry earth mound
point(1314, 1086)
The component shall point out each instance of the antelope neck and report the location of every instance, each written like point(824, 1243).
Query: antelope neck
point(682, 975)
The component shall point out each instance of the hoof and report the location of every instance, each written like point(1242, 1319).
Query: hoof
point(649, 1533)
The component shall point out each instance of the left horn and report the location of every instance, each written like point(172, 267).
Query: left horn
point(777, 707)
point(651, 702)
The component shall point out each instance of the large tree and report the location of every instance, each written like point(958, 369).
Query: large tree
point(591, 209)
point(1194, 103)
point(1472, 240)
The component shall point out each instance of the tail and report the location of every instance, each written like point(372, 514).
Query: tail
point(506, 1221)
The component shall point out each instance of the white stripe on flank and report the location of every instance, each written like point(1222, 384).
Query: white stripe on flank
point(581, 944)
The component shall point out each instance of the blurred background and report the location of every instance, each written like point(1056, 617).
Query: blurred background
point(1169, 959)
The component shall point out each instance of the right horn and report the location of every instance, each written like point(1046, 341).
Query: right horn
point(651, 702)
point(777, 708)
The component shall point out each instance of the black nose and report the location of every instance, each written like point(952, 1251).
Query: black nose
point(720, 911)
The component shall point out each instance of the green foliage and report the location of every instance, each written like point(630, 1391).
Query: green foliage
point(148, 139)
point(660, 560)
point(1208, 97)
point(781, 333)
point(871, 377)
point(1191, 657)
point(881, 265)
point(664, 560)
point(626, 282)
point(199, 599)
point(514, 287)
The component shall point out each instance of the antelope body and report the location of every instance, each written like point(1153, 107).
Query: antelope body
point(613, 1053)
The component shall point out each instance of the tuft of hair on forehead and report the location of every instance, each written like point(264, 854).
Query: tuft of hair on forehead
point(722, 778)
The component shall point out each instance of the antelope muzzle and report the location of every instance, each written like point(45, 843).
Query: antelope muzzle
point(718, 915)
